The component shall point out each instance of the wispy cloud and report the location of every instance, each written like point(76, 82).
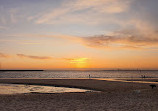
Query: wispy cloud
point(3, 28)
point(76, 11)
point(135, 34)
point(35, 57)
point(13, 15)
point(29, 43)
point(2, 55)
point(76, 60)
point(8, 15)
point(104, 41)
point(141, 35)
point(129, 38)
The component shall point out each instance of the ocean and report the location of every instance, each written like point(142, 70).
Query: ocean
point(80, 74)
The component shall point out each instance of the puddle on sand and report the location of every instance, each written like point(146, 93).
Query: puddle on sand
point(19, 89)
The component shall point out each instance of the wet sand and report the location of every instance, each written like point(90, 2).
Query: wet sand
point(115, 96)
point(143, 79)
point(93, 84)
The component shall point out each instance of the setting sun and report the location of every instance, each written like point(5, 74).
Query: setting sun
point(79, 62)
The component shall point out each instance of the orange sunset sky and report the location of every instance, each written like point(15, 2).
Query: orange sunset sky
point(61, 34)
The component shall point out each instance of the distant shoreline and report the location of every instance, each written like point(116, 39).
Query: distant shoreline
point(104, 70)
point(21, 70)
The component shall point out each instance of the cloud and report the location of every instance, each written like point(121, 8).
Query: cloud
point(128, 38)
point(30, 43)
point(9, 15)
point(117, 41)
point(35, 57)
point(3, 28)
point(76, 60)
point(13, 15)
point(2, 55)
point(76, 11)
point(135, 34)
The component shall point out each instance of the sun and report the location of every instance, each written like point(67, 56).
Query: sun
point(79, 62)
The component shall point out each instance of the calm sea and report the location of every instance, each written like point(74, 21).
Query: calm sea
point(78, 74)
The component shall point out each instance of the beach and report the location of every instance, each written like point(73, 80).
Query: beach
point(115, 101)
point(114, 96)
point(106, 85)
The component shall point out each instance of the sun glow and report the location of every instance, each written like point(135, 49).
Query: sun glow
point(79, 62)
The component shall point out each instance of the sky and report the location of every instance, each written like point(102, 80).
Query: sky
point(61, 34)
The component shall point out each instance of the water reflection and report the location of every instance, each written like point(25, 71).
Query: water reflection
point(134, 80)
point(19, 89)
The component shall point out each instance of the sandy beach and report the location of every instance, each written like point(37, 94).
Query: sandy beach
point(115, 96)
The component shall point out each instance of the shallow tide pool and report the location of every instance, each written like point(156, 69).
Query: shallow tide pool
point(19, 89)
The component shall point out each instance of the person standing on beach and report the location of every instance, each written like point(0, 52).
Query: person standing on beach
point(89, 76)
